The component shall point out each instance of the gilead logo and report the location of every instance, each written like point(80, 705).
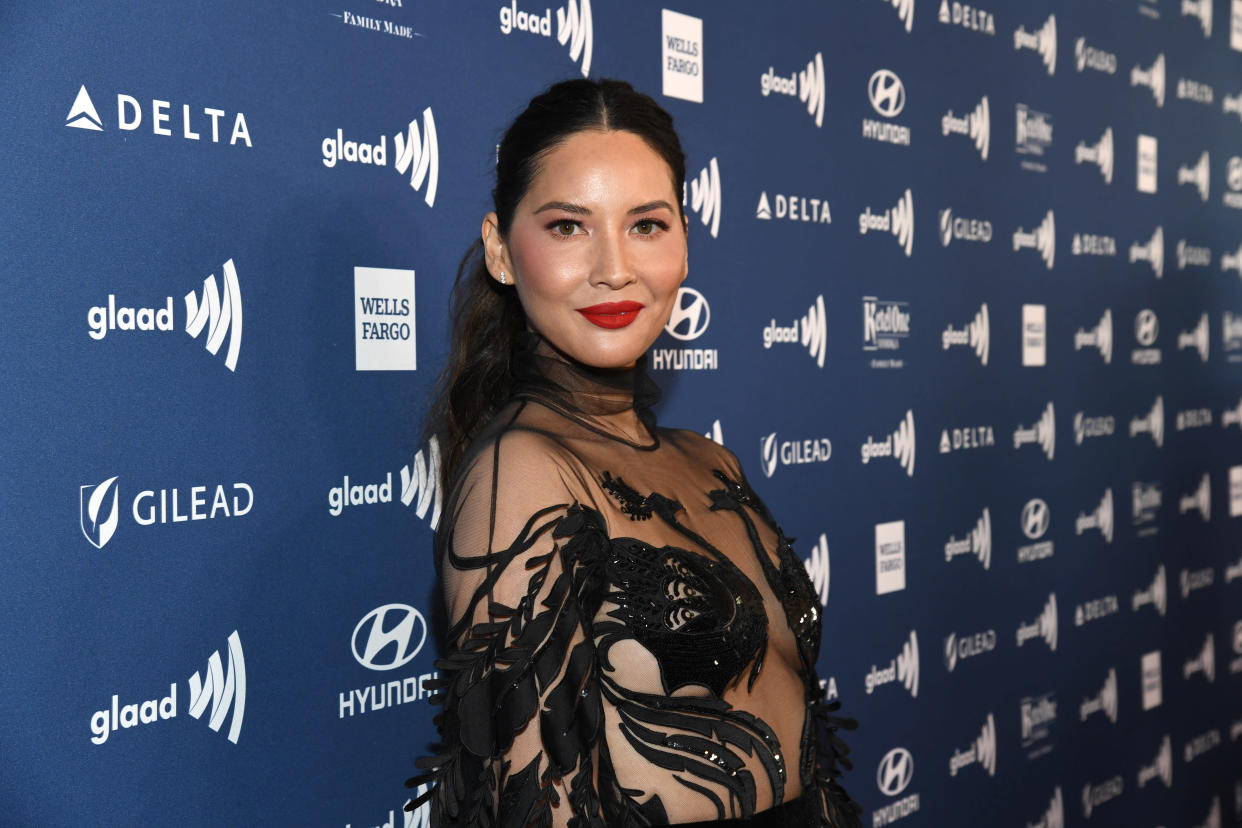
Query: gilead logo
point(99, 512)
point(129, 116)
point(216, 688)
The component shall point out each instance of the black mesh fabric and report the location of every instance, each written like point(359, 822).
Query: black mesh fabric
point(632, 639)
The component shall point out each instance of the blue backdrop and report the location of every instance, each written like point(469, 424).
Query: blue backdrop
point(965, 298)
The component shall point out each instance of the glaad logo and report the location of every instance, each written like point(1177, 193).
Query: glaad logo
point(982, 751)
point(904, 669)
point(1213, 819)
point(1044, 626)
point(688, 321)
point(1152, 252)
point(1197, 338)
point(1156, 594)
point(389, 637)
point(1202, 662)
point(83, 115)
point(972, 230)
point(1043, 432)
point(1232, 261)
point(1100, 337)
point(1100, 518)
point(415, 151)
point(1104, 701)
point(1161, 766)
point(682, 44)
point(1152, 78)
point(1232, 106)
point(1088, 57)
point(419, 486)
point(1038, 715)
point(1152, 423)
point(219, 316)
point(1054, 817)
point(792, 452)
point(899, 445)
point(1199, 500)
point(1043, 41)
point(1033, 136)
point(1042, 239)
point(794, 208)
point(411, 817)
point(968, 17)
point(1201, 9)
point(898, 220)
point(704, 196)
point(890, 557)
point(573, 27)
point(888, 98)
point(905, 11)
point(813, 336)
point(1086, 427)
point(98, 507)
point(1198, 175)
point(1233, 571)
point(819, 570)
point(1146, 498)
point(807, 85)
point(976, 125)
point(222, 691)
point(1100, 153)
point(98, 517)
point(1235, 666)
point(1232, 416)
point(975, 335)
point(1095, 796)
point(715, 433)
point(957, 649)
point(1146, 329)
point(977, 542)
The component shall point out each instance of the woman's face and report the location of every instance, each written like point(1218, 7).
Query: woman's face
point(597, 248)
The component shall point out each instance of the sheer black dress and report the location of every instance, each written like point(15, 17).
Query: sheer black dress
point(633, 640)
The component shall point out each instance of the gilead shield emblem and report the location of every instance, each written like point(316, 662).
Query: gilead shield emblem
point(98, 514)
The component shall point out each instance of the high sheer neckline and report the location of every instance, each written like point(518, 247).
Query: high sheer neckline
point(594, 398)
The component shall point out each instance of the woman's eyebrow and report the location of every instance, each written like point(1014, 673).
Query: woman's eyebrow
point(566, 206)
point(652, 205)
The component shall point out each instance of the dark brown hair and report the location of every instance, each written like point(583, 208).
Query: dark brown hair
point(487, 316)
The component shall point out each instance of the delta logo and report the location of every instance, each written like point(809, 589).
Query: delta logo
point(205, 124)
point(416, 152)
point(220, 315)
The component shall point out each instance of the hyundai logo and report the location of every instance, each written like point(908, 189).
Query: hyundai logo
point(1035, 518)
point(895, 771)
point(690, 315)
point(388, 637)
point(1146, 327)
point(888, 95)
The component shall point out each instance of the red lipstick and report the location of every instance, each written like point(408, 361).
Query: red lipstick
point(612, 314)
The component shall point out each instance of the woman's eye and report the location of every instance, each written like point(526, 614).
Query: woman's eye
point(645, 227)
point(566, 228)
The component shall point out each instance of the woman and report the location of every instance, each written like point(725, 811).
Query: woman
point(632, 639)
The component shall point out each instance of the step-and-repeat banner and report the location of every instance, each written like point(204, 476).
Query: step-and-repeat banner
point(965, 298)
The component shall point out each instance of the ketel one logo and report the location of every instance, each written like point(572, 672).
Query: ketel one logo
point(807, 85)
point(83, 115)
point(415, 151)
point(218, 316)
point(818, 569)
point(703, 195)
point(898, 220)
point(899, 445)
point(976, 125)
point(1043, 41)
point(690, 317)
point(389, 637)
point(573, 27)
point(216, 689)
point(99, 506)
point(982, 751)
point(1042, 238)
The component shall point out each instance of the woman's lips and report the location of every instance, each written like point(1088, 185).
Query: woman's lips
point(612, 314)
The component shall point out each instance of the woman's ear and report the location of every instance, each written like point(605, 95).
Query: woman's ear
point(495, 254)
